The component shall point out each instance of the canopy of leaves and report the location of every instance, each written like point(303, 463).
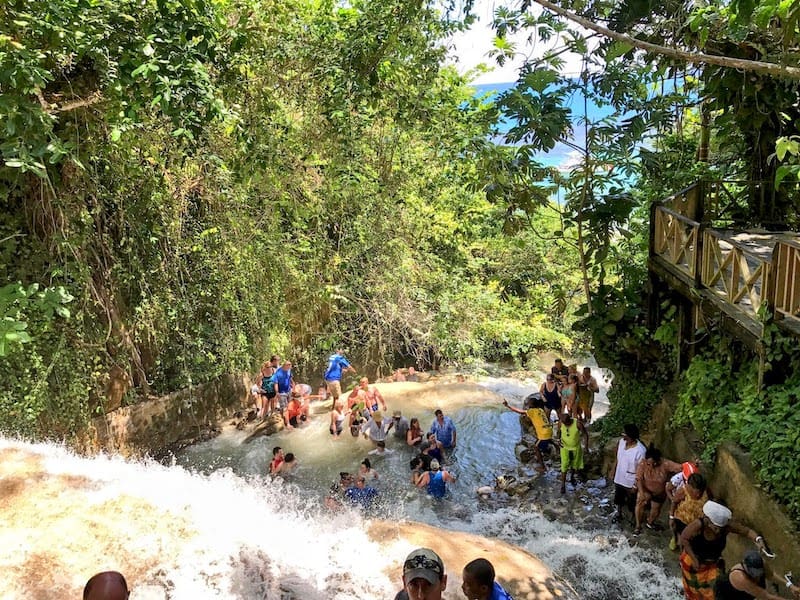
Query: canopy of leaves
point(190, 186)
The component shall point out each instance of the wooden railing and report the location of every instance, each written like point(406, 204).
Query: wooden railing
point(786, 264)
point(675, 239)
point(741, 270)
point(726, 203)
point(688, 202)
point(732, 272)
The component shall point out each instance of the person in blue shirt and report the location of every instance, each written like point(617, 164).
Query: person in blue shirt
point(479, 584)
point(361, 494)
point(283, 386)
point(337, 366)
point(444, 429)
point(435, 480)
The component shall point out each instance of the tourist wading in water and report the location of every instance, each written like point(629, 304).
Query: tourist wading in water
point(541, 424)
point(338, 415)
point(687, 505)
point(551, 392)
point(623, 471)
point(571, 432)
point(445, 430)
point(436, 480)
point(652, 475)
point(414, 436)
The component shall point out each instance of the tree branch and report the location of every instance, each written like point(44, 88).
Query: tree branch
point(94, 98)
point(692, 57)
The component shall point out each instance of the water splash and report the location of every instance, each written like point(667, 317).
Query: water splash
point(196, 536)
point(225, 530)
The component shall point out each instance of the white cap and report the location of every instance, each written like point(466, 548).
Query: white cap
point(718, 515)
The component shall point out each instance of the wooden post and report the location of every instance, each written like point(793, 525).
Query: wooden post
point(698, 255)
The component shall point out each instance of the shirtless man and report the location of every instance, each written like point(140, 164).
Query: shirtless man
point(652, 475)
point(288, 465)
point(370, 395)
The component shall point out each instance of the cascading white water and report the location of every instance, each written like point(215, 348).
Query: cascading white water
point(228, 531)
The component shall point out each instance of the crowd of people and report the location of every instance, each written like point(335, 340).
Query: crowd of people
point(429, 451)
point(363, 412)
point(644, 482)
point(560, 413)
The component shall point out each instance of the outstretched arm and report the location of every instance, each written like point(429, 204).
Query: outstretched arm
point(512, 408)
point(743, 583)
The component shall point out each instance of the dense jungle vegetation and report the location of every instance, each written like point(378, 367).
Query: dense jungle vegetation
point(191, 185)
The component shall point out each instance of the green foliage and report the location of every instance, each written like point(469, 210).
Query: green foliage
point(631, 400)
point(720, 399)
point(16, 302)
point(215, 181)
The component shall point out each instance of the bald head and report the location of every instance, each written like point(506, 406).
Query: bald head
point(108, 585)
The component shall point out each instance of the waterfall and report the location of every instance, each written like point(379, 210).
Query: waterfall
point(213, 525)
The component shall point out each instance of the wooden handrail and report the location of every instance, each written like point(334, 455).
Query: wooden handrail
point(675, 238)
point(738, 245)
point(686, 220)
point(786, 292)
point(731, 277)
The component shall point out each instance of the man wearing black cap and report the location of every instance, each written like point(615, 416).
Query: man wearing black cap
point(629, 452)
point(423, 576)
point(748, 580)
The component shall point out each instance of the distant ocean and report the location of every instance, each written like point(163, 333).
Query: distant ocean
point(560, 156)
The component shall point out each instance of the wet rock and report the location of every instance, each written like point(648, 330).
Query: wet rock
point(272, 424)
point(242, 418)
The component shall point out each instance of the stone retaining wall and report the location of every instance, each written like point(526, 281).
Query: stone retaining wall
point(159, 423)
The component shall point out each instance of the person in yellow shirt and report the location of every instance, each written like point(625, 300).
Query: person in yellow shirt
point(541, 424)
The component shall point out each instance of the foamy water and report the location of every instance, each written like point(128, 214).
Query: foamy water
point(230, 532)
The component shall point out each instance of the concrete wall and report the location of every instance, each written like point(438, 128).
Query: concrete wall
point(156, 424)
point(731, 479)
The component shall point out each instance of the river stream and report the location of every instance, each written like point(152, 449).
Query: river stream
point(571, 534)
point(213, 525)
